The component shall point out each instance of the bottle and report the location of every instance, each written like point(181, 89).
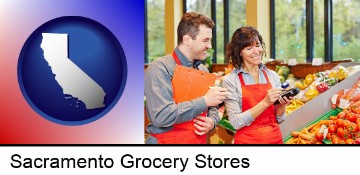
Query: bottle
point(290, 93)
point(285, 85)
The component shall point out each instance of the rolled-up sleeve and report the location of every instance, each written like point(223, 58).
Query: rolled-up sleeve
point(275, 81)
point(162, 110)
point(281, 118)
point(237, 118)
point(213, 111)
point(214, 115)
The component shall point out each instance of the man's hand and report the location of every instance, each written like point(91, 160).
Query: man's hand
point(215, 95)
point(203, 125)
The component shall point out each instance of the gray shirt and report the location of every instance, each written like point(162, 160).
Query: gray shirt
point(161, 109)
point(237, 117)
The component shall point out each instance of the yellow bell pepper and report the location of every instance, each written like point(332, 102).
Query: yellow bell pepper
point(342, 74)
point(309, 79)
point(301, 85)
point(332, 74)
point(311, 93)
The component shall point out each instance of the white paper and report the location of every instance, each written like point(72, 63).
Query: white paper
point(324, 130)
point(343, 103)
point(317, 61)
point(333, 99)
point(292, 62)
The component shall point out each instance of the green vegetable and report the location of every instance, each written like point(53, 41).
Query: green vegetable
point(277, 68)
point(320, 74)
point(331, 81)
point(282, 78)
point(324, 78)
point(283, 71)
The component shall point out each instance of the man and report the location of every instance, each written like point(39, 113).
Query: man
point(194, 39)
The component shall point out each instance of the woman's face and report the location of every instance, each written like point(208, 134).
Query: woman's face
point(252, 54)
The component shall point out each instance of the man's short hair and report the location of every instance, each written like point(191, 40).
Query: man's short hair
point(189, 25)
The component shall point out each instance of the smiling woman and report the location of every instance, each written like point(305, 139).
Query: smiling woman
point(254, 116)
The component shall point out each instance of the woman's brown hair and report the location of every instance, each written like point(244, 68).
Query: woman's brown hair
point(242, 38)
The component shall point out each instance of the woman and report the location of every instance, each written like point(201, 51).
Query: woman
point(253, 89)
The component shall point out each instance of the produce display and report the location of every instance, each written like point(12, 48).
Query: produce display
point(309, 135)
point(315, 84)
point(294, 104)
point(346, 96)
point(345, 127)
point(339, 126)
point(283, 72)
point(331, 128)
point(342, 128)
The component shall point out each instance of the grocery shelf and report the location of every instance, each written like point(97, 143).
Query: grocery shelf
point(326, 116)
point(315, 107)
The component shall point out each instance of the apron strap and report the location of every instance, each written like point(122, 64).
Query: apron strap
point(242, 82)
point(264, 129)
point(182, 133)
point(176, 58)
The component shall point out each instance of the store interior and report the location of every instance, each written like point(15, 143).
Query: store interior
point(311, 45)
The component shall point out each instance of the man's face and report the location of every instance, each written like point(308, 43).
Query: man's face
point(201, 43)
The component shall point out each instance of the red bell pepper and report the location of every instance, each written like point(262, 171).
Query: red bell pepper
point(322, 87)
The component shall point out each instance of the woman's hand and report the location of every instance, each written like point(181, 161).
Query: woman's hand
point(272, 95)
point(280, 108)
point(284, 101)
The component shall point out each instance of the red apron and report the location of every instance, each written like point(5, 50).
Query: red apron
point(264, 130)
point(182, 133)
